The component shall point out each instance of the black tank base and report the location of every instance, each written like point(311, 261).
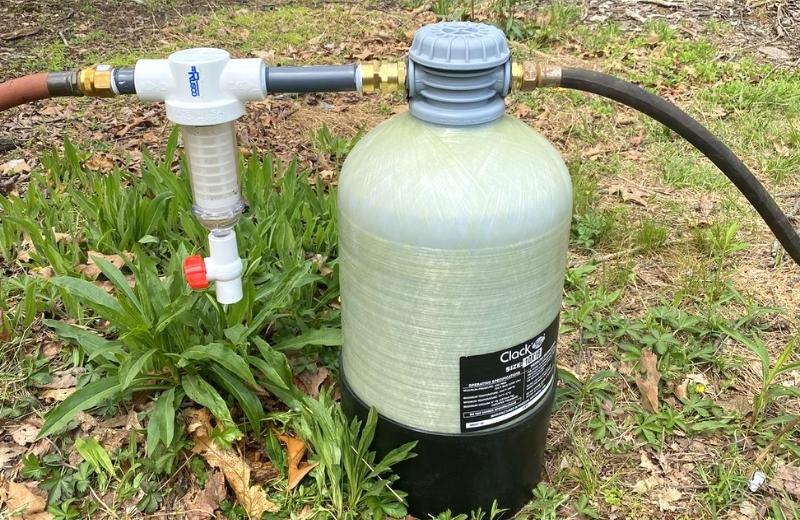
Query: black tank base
point(463, 472)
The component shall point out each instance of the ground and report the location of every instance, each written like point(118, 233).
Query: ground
point(679, 373)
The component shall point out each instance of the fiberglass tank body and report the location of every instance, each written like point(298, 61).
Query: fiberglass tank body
point(453, 229)
point(452, 243)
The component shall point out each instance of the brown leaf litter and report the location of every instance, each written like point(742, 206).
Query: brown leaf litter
point(310, 381)
point(786, 479)
point(25, 433)
point(252, 498)
point(91, 270)
point(26, 247)
point(647, 380)
point(295, 451)
point(24, 498)
point(200, 504)
point(57, 394)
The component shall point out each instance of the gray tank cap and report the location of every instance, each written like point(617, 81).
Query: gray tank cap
point(459, 46)
point(458, 73)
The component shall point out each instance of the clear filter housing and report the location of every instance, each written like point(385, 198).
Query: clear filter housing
point(453, 242)
point(214, 172)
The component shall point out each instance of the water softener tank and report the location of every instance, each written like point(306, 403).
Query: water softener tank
point(454, 221)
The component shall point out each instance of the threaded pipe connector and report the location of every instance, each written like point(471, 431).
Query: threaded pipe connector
point(531, 75)
point(383, 76)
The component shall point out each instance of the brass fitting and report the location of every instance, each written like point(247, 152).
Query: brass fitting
point(383, 76)
point(96, 81)
point(530, 76)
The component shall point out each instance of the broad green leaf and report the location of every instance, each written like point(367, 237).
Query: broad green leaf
point(130, 370)
point(118, 279)
point(172, 311)
point(219, 353)
point(202, 393)
point(276, 360)
point(94, 454)
point(394, 509)
point(94, 297)
point(236, 334)
point(148, 239)
point(90, 342)
point(161, 422)
point(250, 403)
point(87, 397)
point(329, 337)
point(276, 385)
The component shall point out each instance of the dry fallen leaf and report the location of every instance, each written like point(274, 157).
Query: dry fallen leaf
point(26, 247)
point(522, 110)
point(25, 434)
point(9, 452)
point(787, 479)
point(63, 379)
point(782, 149)
point(295, 451)
point(51, 349)
point(112, 433)
point(666, 497)
point(736, 404)
point(648, 385)
point(91, 270)
point(706, 205)
point(309, 381)
point(27, 498)
point(86, 421)
point(201, 503)
point(252, 498)
point(58, 394)
point(45, 272)
point(14, 166)
point(645, 485)
point(102, 162)
point(646, 463)
point(629, 194)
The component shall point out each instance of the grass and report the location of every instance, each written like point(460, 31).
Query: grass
point(660, 277)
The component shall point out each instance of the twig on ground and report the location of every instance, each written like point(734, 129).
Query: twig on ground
point(663, 3)
point(636, 16)
point(627, 252)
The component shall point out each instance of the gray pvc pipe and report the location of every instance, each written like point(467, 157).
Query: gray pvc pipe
point(317, 78)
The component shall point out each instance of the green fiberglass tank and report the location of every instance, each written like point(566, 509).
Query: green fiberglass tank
point(453, 229)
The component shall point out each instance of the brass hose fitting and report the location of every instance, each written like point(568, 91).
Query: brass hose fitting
point(383, 76)
point(530, 76)
point(96, 81)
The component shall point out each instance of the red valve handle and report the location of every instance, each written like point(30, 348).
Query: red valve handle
point(194, 270)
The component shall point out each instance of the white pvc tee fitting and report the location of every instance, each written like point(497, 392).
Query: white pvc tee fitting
point(201, 87)
point(223, 267)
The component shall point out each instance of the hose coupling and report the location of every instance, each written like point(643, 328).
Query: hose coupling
point(383, 77)
point(97, 81)
point(530, 75)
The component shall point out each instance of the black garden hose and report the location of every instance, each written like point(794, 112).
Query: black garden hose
point(684, 125)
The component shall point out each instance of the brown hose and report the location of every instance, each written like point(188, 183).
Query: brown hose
point(23, 90)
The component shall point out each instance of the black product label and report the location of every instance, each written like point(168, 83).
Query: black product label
point(497, 387)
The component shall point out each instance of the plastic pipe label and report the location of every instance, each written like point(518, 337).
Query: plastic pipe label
point(500, 386)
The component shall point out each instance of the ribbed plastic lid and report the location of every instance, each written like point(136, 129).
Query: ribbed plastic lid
point(459, 46)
